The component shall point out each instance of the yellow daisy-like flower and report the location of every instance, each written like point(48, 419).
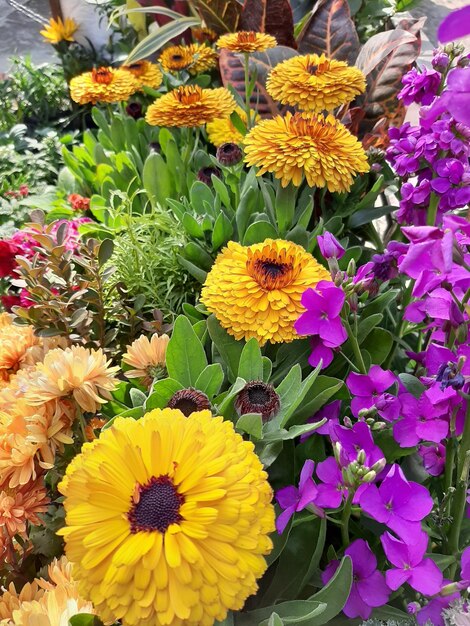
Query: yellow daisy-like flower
point(146, 356)
point(246, 41)
point(175, 58)
point(222, 130)
point(55, 608)
point(58, 30)
point(190, 105)
point(203, 58)
point(167, 519)
point(104, 84)
point(315, 83)
point(148, 74)
point(84, 374)
point(255, 291)
point(321, 148)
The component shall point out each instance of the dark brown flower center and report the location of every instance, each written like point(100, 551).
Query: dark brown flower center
point(270, 273)
point(258, 397)
point(176, 57)
point(155, 506)
point(258, 394)
point(102, 75)
point(188, 401)
point(137, 68)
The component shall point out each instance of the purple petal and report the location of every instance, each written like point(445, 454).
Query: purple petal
point(329, 572)
point(355, 606)
point(374, 590)
point(320, 353)
point(328, 471)
point(465, 564)
point(405, 530)
point(283, 519)
point(418, 506)
point(360, 384)
point(395, 550)
point(455, 25)
point(371, 502)
point(363, 559)
point(306, 473)
point(287, 496)
point(329, 497)
point(333, 332)
point(395, 578)
point(404, 433)
point(426, 578)
point(308, 494)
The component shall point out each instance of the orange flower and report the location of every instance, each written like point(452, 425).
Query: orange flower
point(17, 454)
point(21, 505)
point(15, 341)
point(146, 73)
point(11, 600)
point(146, 357)
point(59, 573)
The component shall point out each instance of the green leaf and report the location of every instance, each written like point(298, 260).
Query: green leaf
point(222, 232)
point(200, 195)
point(210, 380)
point(291, 400)
point(138, 397)
point(222, 190)
point(285, 207)
point(380, 303)
point(391, 449)
point(198, 273)
point(229, 348)
point(246, 208)
point(85, 619)
point(294, 612)
point(185, 356)
point(162, 391)
point(228, 621)
point(223, 401)
point(156, 179)
point(251, 362)
point(106, 251)
point(324, 388)
point(336, 592)
point(281, 434)
point(366, 216)
point(378, 344)
point(443, 561)
point(366, 326)
point(258, 232)
point(160, 37)
point(192, 226)
point(252, 424)
point(412, 384)
point(387, 612)
point(275, 620)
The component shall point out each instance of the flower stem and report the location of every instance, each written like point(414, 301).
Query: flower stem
point(449, 470)
point(247, 89)
point(355, 347)
point(81, 421)
point(345, 521)
point(432, 210)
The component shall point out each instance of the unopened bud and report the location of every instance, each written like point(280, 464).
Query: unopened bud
point(351, 271)
point(378, 466)
point(353, 300)
point(348, 476)
point(361, 457)
point(354, 466)
point(364, 413)
point(379, 426)
point(369, 477)
point(463, 62)
point(347, 421)
point(337, 451)
point(448, 590)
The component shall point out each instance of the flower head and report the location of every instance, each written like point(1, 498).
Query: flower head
point(330, 247)
point(78, 202)
point(205, 174)
point(54, 608)
point(21, 505)
point(203, 58)
point(174, 526)
point(103, 84)
point(315, 83)
point(255, 291)
point(246, 41)
point(229, 154)
point(11, 599)
point(258, 397)
point(190, 105)
point(317, 147)
point(189, 401)
point(175, 58)
point(84, 374)
point(419, 86)
point(58, 30)
point(147, 73)
point(434, 458)
point(221, 131)
point(146, 357)
point(369, 391)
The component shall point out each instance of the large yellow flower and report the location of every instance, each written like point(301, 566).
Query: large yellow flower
point(190, 106)
point(246, 41)
point(58, 30)
point(148, 74)
point(321, 148)
point(146, 356)
point(255, 291)
point(104, 84)
point(315, 83)
point(223, 131)
point(84, 374)
point(203, 58)
point(167, 519)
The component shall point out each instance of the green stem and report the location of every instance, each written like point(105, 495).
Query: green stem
point(81, 421)
point(345, 521)
point(432, 210)
point(355, 347)
point(449, 470)
point(400, 324)
point(247, 89)
point(375, 238)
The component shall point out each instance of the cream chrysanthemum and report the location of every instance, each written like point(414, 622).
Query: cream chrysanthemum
point(190, 106)
point(58, 30)
point(86, 375)
point(222, 130)
point(255, 291)
point(148, 74)
point(55, 608)
point(11, 600)
point(147, 357)
point(319, 148)
point(167, 519)
point(246, 41)
point(104, 84)
point(315, 83)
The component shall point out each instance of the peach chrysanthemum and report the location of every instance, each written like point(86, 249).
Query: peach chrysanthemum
point(104, 84)
point(255, 291)
point(148, 74)
point(315, 83)
point(190, 105)
point(21, 505)
point(59, 30)
point(55, 608)
point(15, 341)
point(147, 357)
point(59, 573)
point(86, 375)
point(49, 426)
point(17, 454)
point(11, 599)
point(222, 130)
point(246, 41)
point(317, 147)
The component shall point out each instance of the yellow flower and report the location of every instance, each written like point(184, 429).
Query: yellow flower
point(222, 129)
point(175, 58)
point(146, 357)
point(315, 83)
point(255, 291)
point(104, 84)
point(84, 374)
point(203, 58)
point(319, 147)
point(190, 106)
point(55, 608)
point(204, 34)
point(146, 73)
point(167, 520)
point(246, 41)
point(58, 30)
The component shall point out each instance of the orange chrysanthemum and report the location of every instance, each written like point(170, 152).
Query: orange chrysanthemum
point(255, 291)
point(147, 357)
point(21, 505)
point(104, 84)
point(146, 73)
point(86, 375)
point(17, 454)
point(190, 106)
point(204, 34)
point(315, 83)
point(58, 30)
point(317, 147)
point(59, 573)
point(246, 41)
point(11, 599)
point(194, 58)
point(54, 608)
point(15, 341)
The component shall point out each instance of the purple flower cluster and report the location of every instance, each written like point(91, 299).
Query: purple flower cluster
point(420, 86)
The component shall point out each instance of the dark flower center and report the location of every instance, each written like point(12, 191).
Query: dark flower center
point(188, 401)
point(273, 269)
point(177, 57)
point(257, 394)
point(102, 75)
point(258, 397)
point(156, 506)
point(312, 69)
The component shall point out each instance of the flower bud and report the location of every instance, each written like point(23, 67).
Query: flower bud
point(189, 401)
point(229, 154)
point(378, 466)
point(351, 271)
point(205, 174)
point(347, 421)
point(134, 109)
point(361, 457)
point(440, 60)
point(258, 397)
point(369, 477)
point(330, 247)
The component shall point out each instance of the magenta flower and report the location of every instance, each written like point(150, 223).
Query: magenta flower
point(353, 440)
point(465, 565)
point(330, 247)
point(455, 25)
point(431, 613)
point(322, 319)
point(398, 503)
point(292, 499)
point(421, 421)
point(369, 391)
point(419, 86)
point(434, 458)
point(369, 588)
point(454, 99)
point(422, 574)
point(332, 488)
point(330, 412)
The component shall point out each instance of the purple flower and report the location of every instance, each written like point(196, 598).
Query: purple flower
point(434, 458)
point(332, 489)
point(454, 99)
point(431, 613)
point(465, 565)
point(420, 87)
point(368, 589)
point(322, 319)
point(330, 246)
point(398, 503)
point(455, 25)
point(354, 440)
point(292, 499)
point(386, 264)
point(421, 421)
point(420, 573)
point(369, 392)
point(331, 412)
point(440, 60)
